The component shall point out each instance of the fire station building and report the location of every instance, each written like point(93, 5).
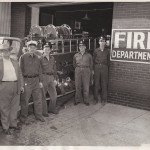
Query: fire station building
point(128, 23)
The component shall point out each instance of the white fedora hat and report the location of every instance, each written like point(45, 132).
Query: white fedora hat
point(5, 47)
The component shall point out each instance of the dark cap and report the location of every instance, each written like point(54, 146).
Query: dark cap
point(102, 38)
point(81, 43)
point(49, 45)
point(46, 45)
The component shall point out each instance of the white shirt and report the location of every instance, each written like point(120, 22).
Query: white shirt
point(9, 71)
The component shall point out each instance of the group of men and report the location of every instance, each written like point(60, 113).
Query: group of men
point(35, 76)
point(85, 66)
point(32, 76)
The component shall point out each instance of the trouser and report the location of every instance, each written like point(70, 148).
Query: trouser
point(100, 81)
point(82, 80)
point(9, 104)
point(31, 88)
point(49, 86)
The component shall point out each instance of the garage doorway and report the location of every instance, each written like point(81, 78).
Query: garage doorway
point(94, 18)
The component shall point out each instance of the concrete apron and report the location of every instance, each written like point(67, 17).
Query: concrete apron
point(81, 125)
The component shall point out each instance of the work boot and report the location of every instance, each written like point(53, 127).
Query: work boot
point(22, 119)
point(54, 112)
point(45, 115)
point(87, 103)
point(76, 103)
point(40, 119)
point(95, 102)
point(16, 128)
point(103, 103)
point(7, 131)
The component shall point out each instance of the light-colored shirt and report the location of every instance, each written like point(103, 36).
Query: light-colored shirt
point(9, 71)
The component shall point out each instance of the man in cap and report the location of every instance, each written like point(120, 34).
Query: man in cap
point(101, 62)
point(24, 50)
point(32, 73)
point(83, 63)
point(11, 85)
point(49, 78)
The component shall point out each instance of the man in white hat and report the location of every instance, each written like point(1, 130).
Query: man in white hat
point(32, 73)
point(11, 85)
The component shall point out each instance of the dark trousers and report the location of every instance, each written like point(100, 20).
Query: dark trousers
point(9, 104)
point(100, 81)
point(31, 88)
point(82, 80)
point(49, 86)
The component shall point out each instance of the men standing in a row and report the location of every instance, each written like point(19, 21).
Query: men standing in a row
point(11, 85)
point(32, 73)
point(101, 63)
point(83, 63)
point(49, 75)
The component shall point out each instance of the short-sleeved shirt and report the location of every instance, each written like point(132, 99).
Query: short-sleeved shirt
point(84, 60)
point(101, 57)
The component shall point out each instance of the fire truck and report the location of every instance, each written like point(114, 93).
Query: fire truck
point(64, 46)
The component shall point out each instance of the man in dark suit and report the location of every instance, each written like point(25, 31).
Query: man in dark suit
point(11, 85)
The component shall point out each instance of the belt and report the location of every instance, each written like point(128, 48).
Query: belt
point(9, 81)
point(49, 73)
point(31, 76)
point(83, 66)
point(100, 64)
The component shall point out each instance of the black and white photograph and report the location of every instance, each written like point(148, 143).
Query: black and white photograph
point(75, 73)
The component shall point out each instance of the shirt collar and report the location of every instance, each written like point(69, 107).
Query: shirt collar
point(31, 55)
point(6, 59)
point(101, 50)
point(47, 56)
point(83, 53)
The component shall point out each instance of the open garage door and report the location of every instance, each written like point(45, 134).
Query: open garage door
point(93, 18)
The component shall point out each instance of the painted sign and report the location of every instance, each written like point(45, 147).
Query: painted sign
point(130, 45)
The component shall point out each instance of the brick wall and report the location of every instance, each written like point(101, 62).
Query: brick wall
point(20, 19)
point(129, 83)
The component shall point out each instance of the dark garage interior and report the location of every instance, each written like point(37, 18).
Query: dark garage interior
point(94, 18)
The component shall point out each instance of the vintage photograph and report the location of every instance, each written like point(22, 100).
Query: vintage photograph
point(75, 73)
